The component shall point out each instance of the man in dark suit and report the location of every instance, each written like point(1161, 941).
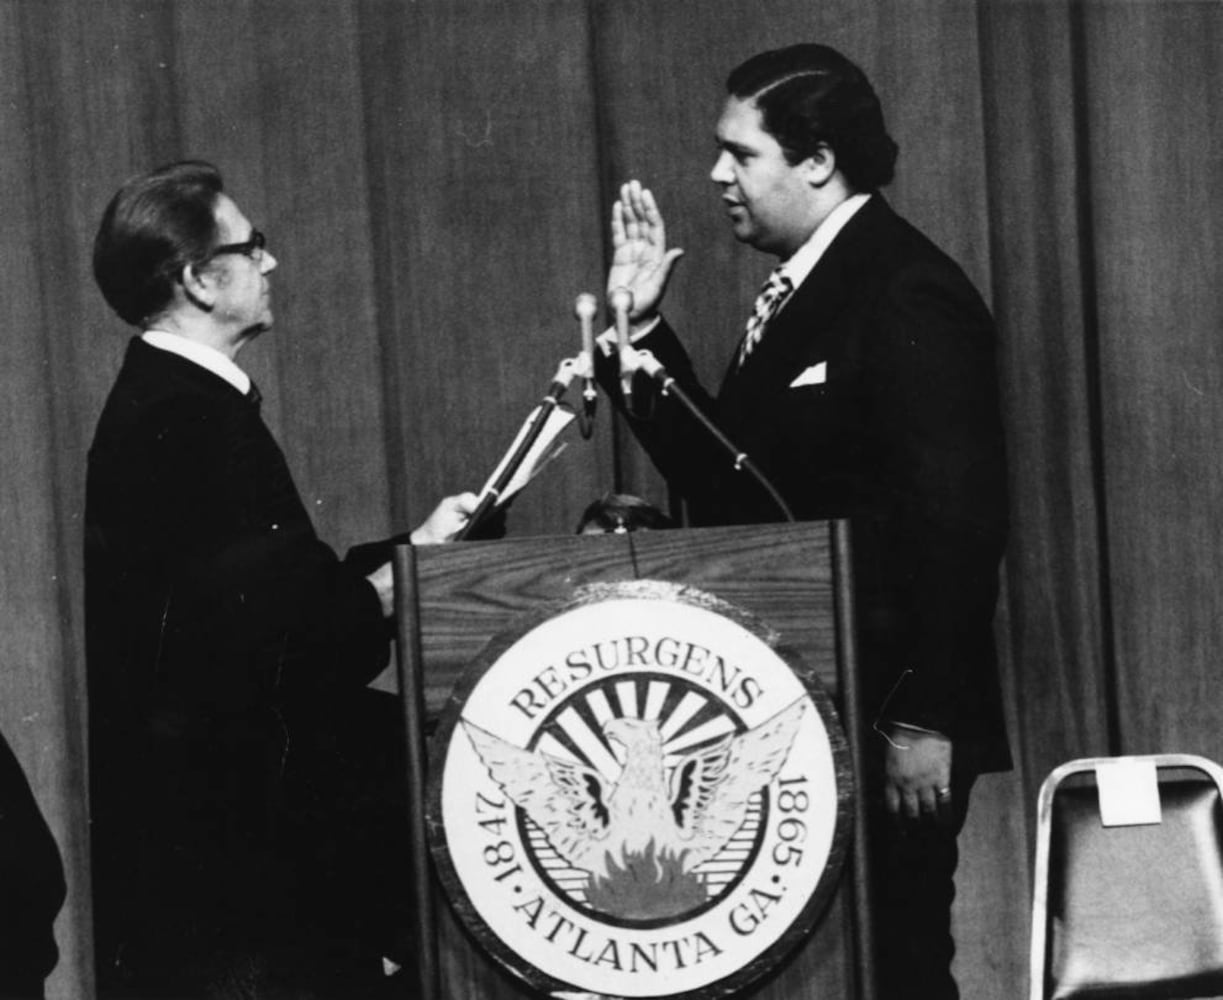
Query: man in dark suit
point(242, 775)
point(864, 387)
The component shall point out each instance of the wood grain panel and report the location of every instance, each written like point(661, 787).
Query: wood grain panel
point(437, 176)
point(466, 593)
point(820, 967)
point(784, 581)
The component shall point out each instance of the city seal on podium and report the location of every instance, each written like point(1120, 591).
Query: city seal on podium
point(639, 793)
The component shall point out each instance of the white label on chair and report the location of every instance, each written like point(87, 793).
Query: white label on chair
point(1129, 792)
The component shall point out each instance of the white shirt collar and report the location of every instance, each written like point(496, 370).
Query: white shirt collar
point(201, 354)
point(802, 262)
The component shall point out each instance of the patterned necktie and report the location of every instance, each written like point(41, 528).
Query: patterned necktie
point(772, 296)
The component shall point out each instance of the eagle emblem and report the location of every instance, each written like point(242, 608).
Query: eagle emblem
point(643, 835)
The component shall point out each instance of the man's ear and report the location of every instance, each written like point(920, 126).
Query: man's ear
point(821, 165)
point(199, 287)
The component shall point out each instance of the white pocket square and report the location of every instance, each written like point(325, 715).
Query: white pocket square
point(815, 375)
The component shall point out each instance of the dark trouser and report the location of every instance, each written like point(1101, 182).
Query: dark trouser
point(912, 876)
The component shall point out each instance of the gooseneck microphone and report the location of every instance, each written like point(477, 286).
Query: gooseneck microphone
point(621, 301)
point(634, 360)
point(585, 308)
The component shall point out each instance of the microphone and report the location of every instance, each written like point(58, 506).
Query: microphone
point(621, 300)
point(633, 360)
point(644, 361)
point(585, 308)
point(566, 372)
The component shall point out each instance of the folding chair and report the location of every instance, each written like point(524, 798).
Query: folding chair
point(1133, 909)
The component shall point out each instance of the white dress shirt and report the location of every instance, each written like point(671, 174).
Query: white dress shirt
point(802, 262)
point(201, 354)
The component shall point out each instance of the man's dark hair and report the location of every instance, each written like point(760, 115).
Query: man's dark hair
point(619, 512)
point(155, 225)
point(811, 95)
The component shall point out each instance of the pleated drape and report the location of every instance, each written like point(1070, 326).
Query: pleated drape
point(435, 177)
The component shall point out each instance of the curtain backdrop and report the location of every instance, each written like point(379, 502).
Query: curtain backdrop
point(435, 178)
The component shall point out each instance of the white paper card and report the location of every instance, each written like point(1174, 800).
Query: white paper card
point(1129, 792)
point(543, 451)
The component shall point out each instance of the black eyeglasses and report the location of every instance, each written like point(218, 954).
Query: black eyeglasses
point(251, 248)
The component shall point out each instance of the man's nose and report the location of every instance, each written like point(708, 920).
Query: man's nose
point(267, 262)
point(721, 172)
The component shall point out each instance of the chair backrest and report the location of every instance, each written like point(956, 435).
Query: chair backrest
point(1132, 910)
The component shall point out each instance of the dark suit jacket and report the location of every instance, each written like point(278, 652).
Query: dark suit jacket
point(218, 629)
point(900, 431)
point(31, 885)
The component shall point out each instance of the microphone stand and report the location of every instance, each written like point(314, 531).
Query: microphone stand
point(742, 461)
point(621, 301)
point(585, 308)
point(560, 382)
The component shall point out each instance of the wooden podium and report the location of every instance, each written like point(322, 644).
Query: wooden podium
point(451, 599)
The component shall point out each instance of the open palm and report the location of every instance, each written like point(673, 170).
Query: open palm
point(641, 261)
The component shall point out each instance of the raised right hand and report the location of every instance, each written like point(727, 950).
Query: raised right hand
point(641, 261)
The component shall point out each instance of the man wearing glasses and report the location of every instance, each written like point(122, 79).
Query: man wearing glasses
point(236, 774)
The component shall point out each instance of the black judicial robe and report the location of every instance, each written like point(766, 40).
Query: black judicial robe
point(219, 630)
